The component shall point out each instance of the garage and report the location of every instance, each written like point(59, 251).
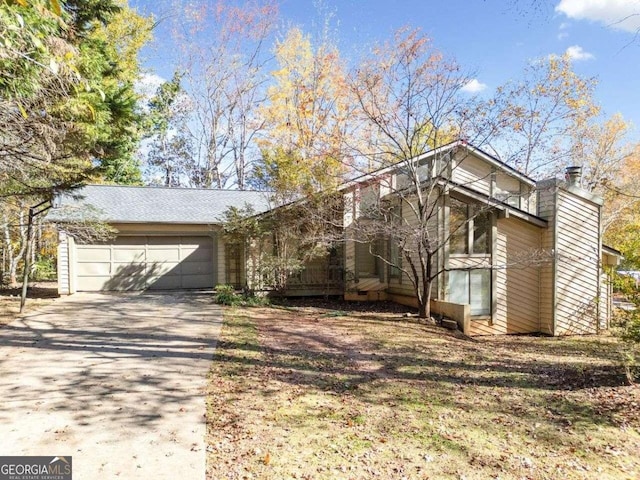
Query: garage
point(167, 238)
point(146, 262)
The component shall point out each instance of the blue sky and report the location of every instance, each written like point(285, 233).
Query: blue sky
point(494, 39)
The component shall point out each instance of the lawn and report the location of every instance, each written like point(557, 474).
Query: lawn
point(315, 392)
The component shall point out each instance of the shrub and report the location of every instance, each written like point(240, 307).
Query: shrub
point(44, 269)
point(628, 329)
point(227, 295)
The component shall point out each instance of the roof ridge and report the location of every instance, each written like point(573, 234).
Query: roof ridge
point(155, 187)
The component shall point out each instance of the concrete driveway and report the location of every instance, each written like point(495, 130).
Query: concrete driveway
point(115, 381)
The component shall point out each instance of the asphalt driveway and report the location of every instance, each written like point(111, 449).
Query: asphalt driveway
point(115, 381)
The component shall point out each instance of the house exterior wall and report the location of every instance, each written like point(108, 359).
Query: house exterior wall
point(547, 204)
point(516, 288)
point(577, 265)
point(63, 264)
point(571, 283)
point(470, 171)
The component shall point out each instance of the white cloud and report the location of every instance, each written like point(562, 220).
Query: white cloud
point(148, 83)
point(577, 53)
point(562, 35)
point(619, 14)
point(474, 86)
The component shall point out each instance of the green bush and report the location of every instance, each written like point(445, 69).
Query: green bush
point(227, 295)
point(628, 327)
point(44, 269)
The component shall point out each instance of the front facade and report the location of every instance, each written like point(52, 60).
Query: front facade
point(516, 256)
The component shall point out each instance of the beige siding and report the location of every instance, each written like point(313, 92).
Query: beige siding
point(605, 301)
point(517, 280)
point(473, 173)
point(577, 269)
point(547, 209)
point(63, 265)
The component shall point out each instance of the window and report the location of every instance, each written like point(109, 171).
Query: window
point(395, 256)
point(366, 260)
point(458, 227)
point(471, 287)
point(395, 259)
point(469, 229)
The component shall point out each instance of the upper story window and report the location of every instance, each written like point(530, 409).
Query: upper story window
point(469, 229)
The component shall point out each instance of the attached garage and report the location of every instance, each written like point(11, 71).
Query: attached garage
point(167, 238)
point(146, 262)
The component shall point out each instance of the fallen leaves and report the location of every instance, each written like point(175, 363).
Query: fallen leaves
point(369, 394)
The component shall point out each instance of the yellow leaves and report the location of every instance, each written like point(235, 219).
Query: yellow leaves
point(55, 7)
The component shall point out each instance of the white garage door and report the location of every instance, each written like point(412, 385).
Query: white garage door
point(145, 262)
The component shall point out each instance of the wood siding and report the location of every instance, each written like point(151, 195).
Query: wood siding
point(473, 173)
point(547, 210)
point(517, 281)
point(577, 265)
point(63, 264)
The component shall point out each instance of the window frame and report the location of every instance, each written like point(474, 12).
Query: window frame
point(473, 212)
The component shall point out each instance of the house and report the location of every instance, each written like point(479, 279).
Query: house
point(517, 256)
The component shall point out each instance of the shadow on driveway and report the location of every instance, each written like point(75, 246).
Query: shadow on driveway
point(117, 381)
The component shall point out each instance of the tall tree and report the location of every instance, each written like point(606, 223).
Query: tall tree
point(67, 106)
point(306, 118)
point(225, 78)
point(410, 98)
point(540, 113)
point(168, 154)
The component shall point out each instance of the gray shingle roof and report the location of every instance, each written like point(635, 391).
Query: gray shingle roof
point(120, 204)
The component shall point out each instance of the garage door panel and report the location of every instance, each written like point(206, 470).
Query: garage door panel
point(195, 268)
point(133, 255)
point(146, 262)
point(93, 254)
point(163, 255)
point(127, 241)
point(196, 281)
point(163, 268)
point(94, 268)
point(94, 284)
point(165, 282)
point(200, 255)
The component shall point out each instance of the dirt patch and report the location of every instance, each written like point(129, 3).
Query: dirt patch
point(39, 294)
point(347, 390)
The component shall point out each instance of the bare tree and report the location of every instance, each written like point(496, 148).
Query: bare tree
point(225, 79)
point(411, 101)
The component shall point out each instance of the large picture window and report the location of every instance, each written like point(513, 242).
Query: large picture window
point(469, 229)
point(471, 287)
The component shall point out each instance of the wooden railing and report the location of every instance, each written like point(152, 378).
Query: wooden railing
point(317, 276)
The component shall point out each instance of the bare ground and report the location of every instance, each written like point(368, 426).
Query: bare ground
point(39, 294)
point(356, 391)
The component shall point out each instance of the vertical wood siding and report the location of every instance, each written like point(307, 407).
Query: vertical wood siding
point(547, 210)
point(517, 284)
point(63, 265)
point(577, 269)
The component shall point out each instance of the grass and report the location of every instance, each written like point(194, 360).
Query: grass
point(306, 393)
